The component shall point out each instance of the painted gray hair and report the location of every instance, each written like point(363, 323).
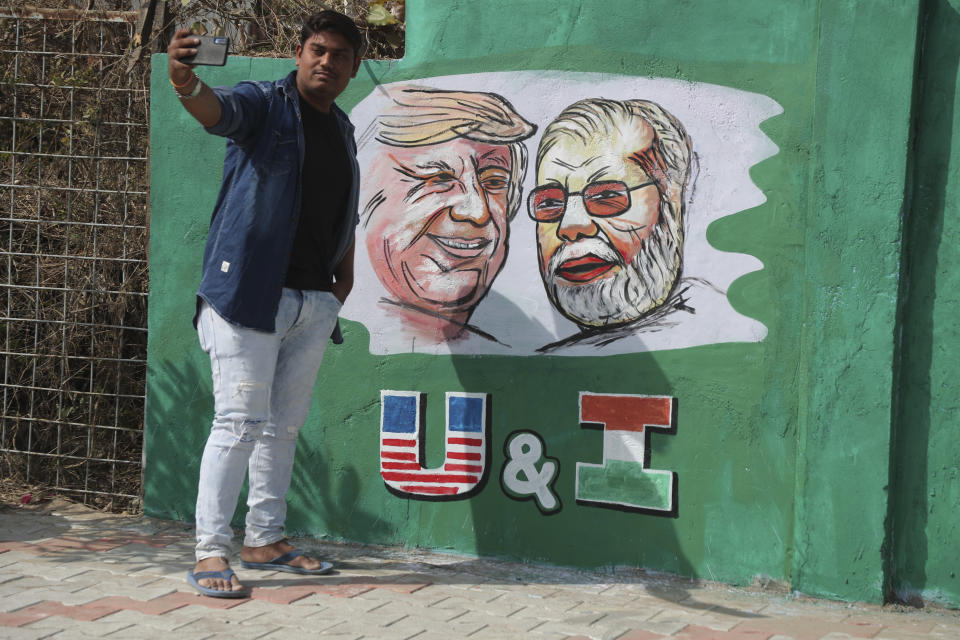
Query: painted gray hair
point(672, 151)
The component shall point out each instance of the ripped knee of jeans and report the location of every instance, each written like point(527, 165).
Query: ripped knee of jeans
point(231, 433)
point(248, 430)
point(244, 411)
point(281, 433)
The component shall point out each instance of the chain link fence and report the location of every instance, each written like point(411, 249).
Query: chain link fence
point(74, 179)
point(73, 161)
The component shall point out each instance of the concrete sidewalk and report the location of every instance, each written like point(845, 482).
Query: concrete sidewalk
point(69, 572)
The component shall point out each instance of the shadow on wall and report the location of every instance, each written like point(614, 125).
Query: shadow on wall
point(181, 406)
point(923, 391)
point(340, 510)
point(180, 412)
point(598, 536)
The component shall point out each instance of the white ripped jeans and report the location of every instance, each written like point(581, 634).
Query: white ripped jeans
point(262, 386)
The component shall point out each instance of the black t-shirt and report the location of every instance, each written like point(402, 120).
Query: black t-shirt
point(324, 190)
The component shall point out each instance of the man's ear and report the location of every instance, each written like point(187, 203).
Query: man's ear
point(356, 66)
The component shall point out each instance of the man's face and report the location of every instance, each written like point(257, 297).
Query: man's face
point(594, 257)
point(439, 237)
point(325, 64)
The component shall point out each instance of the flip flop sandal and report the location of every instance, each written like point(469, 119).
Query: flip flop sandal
point(282, 563)
point(194, 578)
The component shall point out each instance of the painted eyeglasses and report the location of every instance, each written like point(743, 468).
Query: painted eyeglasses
point(548, 202)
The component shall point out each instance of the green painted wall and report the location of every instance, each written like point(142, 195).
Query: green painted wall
point(926, 465)
point(782, 448)
point(851, 246)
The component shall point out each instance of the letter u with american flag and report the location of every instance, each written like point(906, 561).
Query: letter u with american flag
point(402, 429)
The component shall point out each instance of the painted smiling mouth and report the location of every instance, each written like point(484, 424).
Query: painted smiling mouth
point(584, 269)
point(461, 247)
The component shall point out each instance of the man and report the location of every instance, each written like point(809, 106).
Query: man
point(609, 207)
point(441, 189)
point(277, 267)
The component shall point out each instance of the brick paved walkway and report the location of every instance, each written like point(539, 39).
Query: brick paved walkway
point(68, 572)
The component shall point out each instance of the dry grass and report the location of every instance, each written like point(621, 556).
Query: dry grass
point(74, 181)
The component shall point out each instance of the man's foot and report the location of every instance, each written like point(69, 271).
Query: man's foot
point(219, 584)
point(272, 551)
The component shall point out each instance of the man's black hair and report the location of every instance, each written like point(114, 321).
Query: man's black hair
point(330, 20)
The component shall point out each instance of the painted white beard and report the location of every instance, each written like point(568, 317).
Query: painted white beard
point(635, 290)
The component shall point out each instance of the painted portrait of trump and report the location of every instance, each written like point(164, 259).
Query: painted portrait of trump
point(438, 201)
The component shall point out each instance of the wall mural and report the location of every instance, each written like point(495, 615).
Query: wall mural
point(622, 480)
point(599, 249)
point(528, 474)
point(609, 203)
point(402, 444)
point(439, 198)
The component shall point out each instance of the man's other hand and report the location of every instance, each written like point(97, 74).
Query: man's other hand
point(341, 290)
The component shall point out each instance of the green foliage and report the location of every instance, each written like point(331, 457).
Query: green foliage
point(379, 16)
point(271, 28)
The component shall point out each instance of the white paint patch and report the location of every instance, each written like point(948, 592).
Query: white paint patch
point(723, 124)
point(623, 445)
point(525, 451)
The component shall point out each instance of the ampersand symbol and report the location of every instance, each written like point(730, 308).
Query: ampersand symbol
point(524, 450)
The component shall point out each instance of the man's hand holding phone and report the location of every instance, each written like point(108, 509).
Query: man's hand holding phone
point(183, 45)
point(182, 56)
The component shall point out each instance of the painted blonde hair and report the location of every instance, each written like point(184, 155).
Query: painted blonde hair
point(422, 116)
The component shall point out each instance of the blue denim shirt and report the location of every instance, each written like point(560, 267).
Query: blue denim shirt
point(255, 218)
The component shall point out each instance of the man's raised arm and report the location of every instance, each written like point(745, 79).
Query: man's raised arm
point(196, 97)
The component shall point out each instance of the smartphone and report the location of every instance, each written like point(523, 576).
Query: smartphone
point(211, 51)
